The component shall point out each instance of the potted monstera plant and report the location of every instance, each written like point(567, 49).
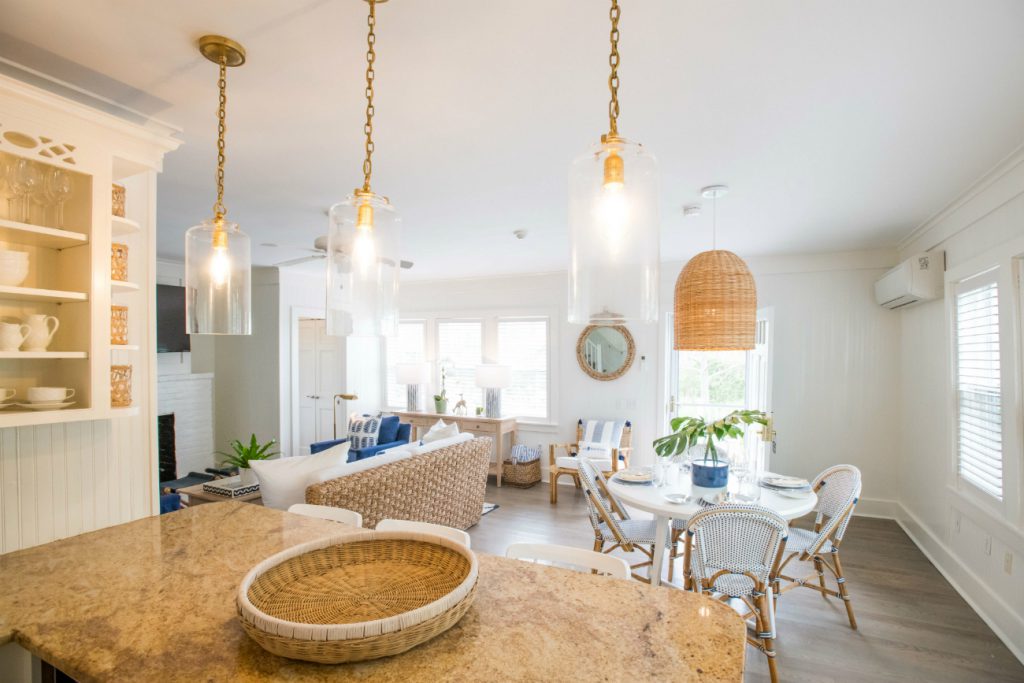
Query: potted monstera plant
point(243, 453)
point(697, 437)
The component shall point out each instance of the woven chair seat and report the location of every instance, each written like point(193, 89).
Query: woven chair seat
point(734, 585)
point(802, 539)
point(640, 531)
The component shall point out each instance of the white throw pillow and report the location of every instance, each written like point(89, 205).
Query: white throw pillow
point(345, 469)
point(283, 481)
point(440, 431)
point(441, 443)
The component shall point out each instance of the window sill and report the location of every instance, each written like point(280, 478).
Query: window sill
point(537, 426)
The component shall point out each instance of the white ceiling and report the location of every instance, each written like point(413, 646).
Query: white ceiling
point(838, 125)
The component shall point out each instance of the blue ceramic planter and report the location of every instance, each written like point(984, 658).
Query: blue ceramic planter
point(710, 474)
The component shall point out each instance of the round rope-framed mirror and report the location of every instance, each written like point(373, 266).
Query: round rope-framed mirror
point(605, 352)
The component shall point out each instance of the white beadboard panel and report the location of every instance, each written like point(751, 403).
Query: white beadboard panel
point(190, 398)
point(65, 479)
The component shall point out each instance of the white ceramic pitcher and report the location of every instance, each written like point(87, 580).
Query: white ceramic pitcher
point(12, 336)
point(40, 333)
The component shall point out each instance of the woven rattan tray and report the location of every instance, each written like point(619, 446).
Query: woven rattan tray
point(357, 596)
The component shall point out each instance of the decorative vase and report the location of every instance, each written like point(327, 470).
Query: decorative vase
point(710, 474)
point(440, 406)
point(247, 477)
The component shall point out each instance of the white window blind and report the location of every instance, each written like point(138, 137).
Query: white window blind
point(459, 349)
point(406, 347)
point(523, 346)
point(979, 406)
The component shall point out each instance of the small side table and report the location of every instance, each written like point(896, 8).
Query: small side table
point(197, 496)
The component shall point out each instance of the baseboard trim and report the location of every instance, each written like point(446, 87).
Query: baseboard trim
point(958, 574)
point(878, 508)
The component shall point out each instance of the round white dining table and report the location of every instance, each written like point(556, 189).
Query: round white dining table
point(651, 498)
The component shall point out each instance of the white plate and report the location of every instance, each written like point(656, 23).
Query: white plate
point(786, 482)
point(636, 475)
point(677, 498)
point(791, 494)
point(46, 406)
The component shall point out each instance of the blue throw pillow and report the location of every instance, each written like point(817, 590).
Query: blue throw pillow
point(363, 430)
point(388, 429)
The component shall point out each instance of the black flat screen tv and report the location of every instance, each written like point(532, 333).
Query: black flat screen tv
point(170, 320)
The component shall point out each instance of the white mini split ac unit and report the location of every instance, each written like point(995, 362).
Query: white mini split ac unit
point(917, 279)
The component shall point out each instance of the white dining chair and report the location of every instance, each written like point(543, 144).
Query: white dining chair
point(334, 514)
point(457, 535)
point(733, 552)
point(563, 555)
point(838, 490)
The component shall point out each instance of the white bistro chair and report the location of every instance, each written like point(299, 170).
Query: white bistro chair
point(838, 490)
point(327, 512)
point(733, 552)
point(563, 555)
point(457, 535)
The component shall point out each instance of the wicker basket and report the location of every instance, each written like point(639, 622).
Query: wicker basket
point(520, 474)
point(119, 325)
point(357, 596)
point(119, 262)
point(117, 204)
point(120, 386)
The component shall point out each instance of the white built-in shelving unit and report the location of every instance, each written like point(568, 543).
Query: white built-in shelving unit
point(112, 451)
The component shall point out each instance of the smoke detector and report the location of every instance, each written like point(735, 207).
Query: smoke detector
point(691, 210)
point(520, 234)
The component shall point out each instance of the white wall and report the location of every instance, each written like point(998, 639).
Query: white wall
point(964, 539)
point(835, 394)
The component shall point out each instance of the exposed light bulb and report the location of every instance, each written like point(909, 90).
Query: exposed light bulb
point(220, 261)
point(613, 215)
point(364, 251)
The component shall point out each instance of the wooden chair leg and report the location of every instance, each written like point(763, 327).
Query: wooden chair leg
point(553, 478)
point(765, 627)
point(576, 481)
point(821, 576)
point(841, 580)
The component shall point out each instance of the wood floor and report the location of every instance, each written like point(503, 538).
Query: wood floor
point(912, 625)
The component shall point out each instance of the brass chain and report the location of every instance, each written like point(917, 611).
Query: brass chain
point(371, 56)
point(613, 78)
point(219, 210)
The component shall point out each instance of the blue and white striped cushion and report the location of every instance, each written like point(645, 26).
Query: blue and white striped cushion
point(601, 435)
point(363, 430)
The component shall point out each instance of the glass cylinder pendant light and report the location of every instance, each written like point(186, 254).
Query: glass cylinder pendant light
point(218, 266)
point(362, 246)
point(614, 249)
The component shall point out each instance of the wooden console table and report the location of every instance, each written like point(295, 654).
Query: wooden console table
point(494, 427)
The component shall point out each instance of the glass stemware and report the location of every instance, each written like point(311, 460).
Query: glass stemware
point(59, 187)
point(24, 178)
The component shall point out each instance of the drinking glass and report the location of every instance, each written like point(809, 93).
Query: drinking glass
point(41, 196)
point(660, 471)
point(744, 489)
point(60, 189)
point(24, 178)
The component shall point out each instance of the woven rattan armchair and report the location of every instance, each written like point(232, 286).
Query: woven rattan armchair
point(733, 552)
point(838, 490)
point(445, 486)
point(613, 527)
point(568, 464)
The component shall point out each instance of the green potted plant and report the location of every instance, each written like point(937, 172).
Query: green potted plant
point(243, 454)
point(441, 399)
point(709, 471)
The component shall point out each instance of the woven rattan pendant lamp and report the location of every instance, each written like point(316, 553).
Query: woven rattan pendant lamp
point(715, 298)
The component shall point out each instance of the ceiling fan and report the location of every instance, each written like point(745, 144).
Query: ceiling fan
point(318, 252)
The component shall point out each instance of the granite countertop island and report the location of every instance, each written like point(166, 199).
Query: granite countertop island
point(154, 600)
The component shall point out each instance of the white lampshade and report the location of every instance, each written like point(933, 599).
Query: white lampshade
point(412, 373)
point(493, 376)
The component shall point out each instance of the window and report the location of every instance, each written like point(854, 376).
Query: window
point(406, 347)
point(978, 391)
point(712, 384)
point(460, 350)
point(523, 346)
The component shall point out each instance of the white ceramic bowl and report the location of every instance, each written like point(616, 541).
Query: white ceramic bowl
point(49, 394)
point(13, 274)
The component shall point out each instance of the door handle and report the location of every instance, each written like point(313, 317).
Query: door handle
point(311, 396)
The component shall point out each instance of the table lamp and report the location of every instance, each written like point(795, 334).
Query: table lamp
point(493, 378)
point(412, 375)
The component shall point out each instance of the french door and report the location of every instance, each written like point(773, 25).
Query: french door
point(711, 384)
